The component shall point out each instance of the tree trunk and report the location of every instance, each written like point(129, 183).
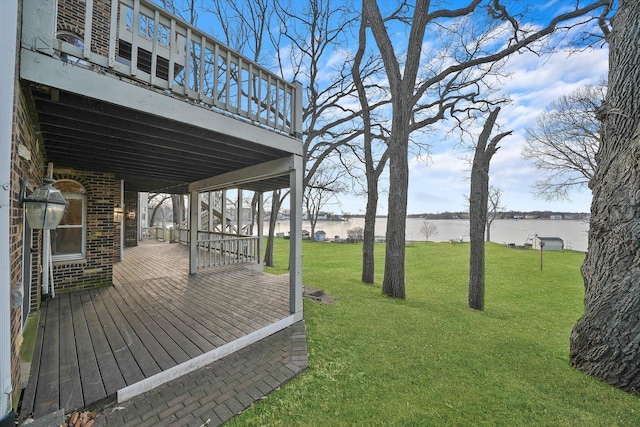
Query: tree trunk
point(276, 202)
point(393, 284)
point(368, 255)
point(606, 340)
point(478, 201)
point(488, 233)
point(477, 221)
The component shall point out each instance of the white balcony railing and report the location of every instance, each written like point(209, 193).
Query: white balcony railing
point(149, 45)
point(226, 250)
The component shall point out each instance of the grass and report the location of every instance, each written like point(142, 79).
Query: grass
point(432, 361)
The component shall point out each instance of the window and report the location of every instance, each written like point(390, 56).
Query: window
point(68, 241)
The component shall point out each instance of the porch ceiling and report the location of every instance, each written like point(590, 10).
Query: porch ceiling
point(149, 152)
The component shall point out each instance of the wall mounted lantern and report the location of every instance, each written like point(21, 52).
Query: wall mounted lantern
point(118, 213)
point(45, 207)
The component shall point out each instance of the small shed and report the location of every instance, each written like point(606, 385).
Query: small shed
point(551, 243)
point(320, 236)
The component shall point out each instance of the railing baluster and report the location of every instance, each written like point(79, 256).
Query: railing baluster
point(173, 42)
point(136, 36)
point(113, 33)
point(187, 63)
point(250, 81)
point(154, 46)
point(88, 30)
point(227, 87)
point(203, 49)
point(216, 74)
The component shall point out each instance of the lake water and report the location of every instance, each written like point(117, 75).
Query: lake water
point(574, 233)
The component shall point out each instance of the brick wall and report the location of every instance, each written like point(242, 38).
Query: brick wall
point(103, 235)
point(71, 14)
point(26, 163)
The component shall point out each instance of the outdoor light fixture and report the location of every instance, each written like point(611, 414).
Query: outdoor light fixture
point(118, 213)
point(45, 207)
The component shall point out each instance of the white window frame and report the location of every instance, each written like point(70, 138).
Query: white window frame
point(83, 226)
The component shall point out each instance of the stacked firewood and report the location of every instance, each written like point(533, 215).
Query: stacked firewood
point(80, 419)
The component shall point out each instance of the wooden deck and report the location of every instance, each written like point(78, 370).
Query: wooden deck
point(93, 343)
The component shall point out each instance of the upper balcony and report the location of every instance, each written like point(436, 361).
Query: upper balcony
point(180, 98)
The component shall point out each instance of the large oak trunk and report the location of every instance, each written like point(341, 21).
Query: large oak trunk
point(393, 284)
point(606, 341)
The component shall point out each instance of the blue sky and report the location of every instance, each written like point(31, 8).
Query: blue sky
point(439, 183)
point(436, 185)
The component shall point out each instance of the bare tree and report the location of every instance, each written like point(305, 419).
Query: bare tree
point(325, 186)
point(373, 168)
point(355, 234)
point(563, 142)
point(604, 342)
point(156, 201)
point(478, 207)
point(494, 208)
point(428, 229)
point(446, 80)
point(277, 198)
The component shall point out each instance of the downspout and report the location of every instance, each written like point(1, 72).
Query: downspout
point(8, 58)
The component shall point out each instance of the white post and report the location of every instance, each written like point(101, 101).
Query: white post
point(223, 211)
point(88, 30)
point(295, 244)
point(260, 227)
point(194, 214)
point(8, 31)
point(239, 213)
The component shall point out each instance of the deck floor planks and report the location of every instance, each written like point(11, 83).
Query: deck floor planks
point(70, 385)
point(198, 317)
point(131, 372)
point(177, 336)
point(169, 311)
point(155, 316)
point(48, 391)
point(270, 291)
point(91, 380)
point(140, 354)
point(111, 376)
point(142, 317)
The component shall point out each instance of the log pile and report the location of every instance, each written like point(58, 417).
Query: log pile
point(80, 419)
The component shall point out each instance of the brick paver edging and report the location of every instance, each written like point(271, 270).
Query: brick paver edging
point(216, 393)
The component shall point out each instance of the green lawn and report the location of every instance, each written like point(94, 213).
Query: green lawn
point(432, 361)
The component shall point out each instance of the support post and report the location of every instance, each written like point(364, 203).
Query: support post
point(260, 227)
point(295, 244)
point(194, 213)
point(297, 111)
point(223, 212)
point(239, 213)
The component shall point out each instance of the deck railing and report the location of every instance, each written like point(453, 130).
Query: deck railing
point(226, 250)
point(146, 43)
